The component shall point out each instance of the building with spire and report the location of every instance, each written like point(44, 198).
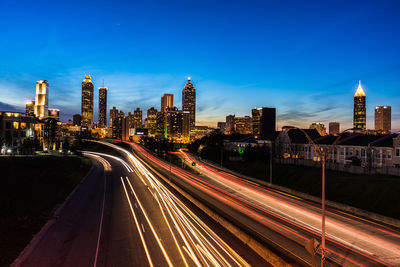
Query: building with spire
point(189, 101)
point(359, 118)
point(87, 102)
point(103, 107)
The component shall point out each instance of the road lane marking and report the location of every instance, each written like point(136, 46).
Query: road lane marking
point(101, 222)
point(150, 224)
point(137, 225)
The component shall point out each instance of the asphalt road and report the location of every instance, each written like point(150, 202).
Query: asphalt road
point(287, 221)
point(122, 215)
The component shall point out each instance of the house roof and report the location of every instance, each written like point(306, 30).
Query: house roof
point(385, 141)
point(298, 137)
point(359, 139)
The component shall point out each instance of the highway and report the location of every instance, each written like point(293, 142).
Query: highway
point(284, 220)
point(122, 215)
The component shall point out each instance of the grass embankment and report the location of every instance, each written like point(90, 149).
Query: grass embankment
point(376, 193)
point(31, 187)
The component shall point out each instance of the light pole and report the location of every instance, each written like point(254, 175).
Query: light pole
point(322, 154)
point(270, 163)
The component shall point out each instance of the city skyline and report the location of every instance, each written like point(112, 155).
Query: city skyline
point(317, 90)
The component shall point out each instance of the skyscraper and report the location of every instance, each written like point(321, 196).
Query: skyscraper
point(189, 101)
point(334, 128)
point(113, 115)
point(30, 107)
point(77, 119)
point(42, 99)
point(359, 119)
point(103, 107)
point(242, 125)
point(87, 102)
point(263, 121)
point(137, 119)
point(151, 120)
point(167, 101)
point(383, 119)
point(230, 124)
point(177, 124)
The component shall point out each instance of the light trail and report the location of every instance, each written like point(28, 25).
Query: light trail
point(137, 225)
point(203, 246)
point(293, 211)
point(107, 167)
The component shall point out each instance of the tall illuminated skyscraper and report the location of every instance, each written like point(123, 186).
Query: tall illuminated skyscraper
point(87, 102)
point(383, 119)
point(189, 101)
point(359, 119)
point(103, 107)
point(42, 99)
point(167, 101)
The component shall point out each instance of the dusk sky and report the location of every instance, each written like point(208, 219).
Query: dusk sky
point(303, 57)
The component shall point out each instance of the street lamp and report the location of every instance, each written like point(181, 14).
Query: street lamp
point(323, 154)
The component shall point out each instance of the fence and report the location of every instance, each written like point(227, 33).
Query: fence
point(342, 167)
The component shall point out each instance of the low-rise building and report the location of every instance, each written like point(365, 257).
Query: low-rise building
point(15, 128)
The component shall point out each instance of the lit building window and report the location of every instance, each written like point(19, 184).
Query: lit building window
point(23, 125)
point(16, 125)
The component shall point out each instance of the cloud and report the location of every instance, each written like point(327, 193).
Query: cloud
point(8, 107)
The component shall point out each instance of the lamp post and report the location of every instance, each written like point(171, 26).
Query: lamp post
point(323, 154)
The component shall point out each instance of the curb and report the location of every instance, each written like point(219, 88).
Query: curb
point(38, 236)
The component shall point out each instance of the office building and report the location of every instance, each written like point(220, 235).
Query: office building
point(334, 128)
point(103, 107)
point(383, 119)
point(137, 119)
point(222, 126)
point(54, 113)
point(42, 99)
point(151, 120)
point(319, 127)
point(117, 122)
point(177, 124)
point(160, 125)
point(87, 103)
point(230, 123)
point(113, 114)
point(242, 125)
point(263, 121)
point(167, 101)
point(30, 107)
point(189, 101)
point(77, 119)
point(359, 119)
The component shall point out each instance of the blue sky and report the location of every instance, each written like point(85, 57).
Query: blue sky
point(303, 57)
